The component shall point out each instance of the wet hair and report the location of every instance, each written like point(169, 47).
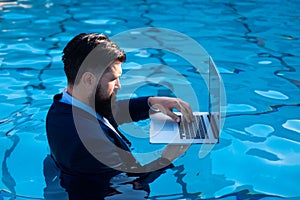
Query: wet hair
point(83, 45)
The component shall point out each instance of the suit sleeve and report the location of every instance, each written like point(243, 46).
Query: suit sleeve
point(132, 110)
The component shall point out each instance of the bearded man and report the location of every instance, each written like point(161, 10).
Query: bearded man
point(82, 123)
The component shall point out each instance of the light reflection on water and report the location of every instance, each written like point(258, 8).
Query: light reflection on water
point(254, 44)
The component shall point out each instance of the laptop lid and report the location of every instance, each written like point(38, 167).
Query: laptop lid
point(165, 130)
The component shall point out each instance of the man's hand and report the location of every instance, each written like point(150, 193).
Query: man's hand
point(167, 104)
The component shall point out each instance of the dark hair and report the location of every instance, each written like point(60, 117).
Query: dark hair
point(76, 51)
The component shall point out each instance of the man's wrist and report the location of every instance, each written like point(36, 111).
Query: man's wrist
point(150, 104)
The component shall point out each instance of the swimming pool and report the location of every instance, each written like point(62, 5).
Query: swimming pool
point(255, 45)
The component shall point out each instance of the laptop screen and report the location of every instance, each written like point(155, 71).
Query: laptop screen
point(214, 81)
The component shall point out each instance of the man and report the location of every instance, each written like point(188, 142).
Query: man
point(82, 123)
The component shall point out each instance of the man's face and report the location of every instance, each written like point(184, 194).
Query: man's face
point(105, 97)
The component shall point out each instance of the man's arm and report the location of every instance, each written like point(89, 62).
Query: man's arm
point(138, 108)
point(132, 110)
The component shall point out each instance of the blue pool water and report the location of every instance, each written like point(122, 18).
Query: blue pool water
point(255, 44)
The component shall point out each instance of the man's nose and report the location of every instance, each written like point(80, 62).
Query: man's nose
point(118, 84)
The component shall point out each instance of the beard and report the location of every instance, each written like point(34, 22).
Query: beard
point(105, 105)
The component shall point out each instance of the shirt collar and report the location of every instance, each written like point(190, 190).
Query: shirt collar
point(68, 99)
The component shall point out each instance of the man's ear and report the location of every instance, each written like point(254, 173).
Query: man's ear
point(88, 80)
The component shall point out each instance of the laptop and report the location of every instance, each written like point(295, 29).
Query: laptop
point(206, 126)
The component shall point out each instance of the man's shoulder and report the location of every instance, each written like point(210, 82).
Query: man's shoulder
point(65, 109)
point(58, 109)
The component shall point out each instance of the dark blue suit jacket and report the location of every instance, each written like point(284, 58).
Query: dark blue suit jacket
point(88, 153)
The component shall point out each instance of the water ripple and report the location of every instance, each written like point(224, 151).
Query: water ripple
point(293, 125)
point(260, 130)
point(272, 94)
point(239, 108)
point(15, 16)
point(263, 154)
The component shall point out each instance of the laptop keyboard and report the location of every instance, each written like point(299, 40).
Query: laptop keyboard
point(198, 129)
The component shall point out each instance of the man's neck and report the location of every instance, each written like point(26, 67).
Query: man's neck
point(69, 89)
point(77, 94)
